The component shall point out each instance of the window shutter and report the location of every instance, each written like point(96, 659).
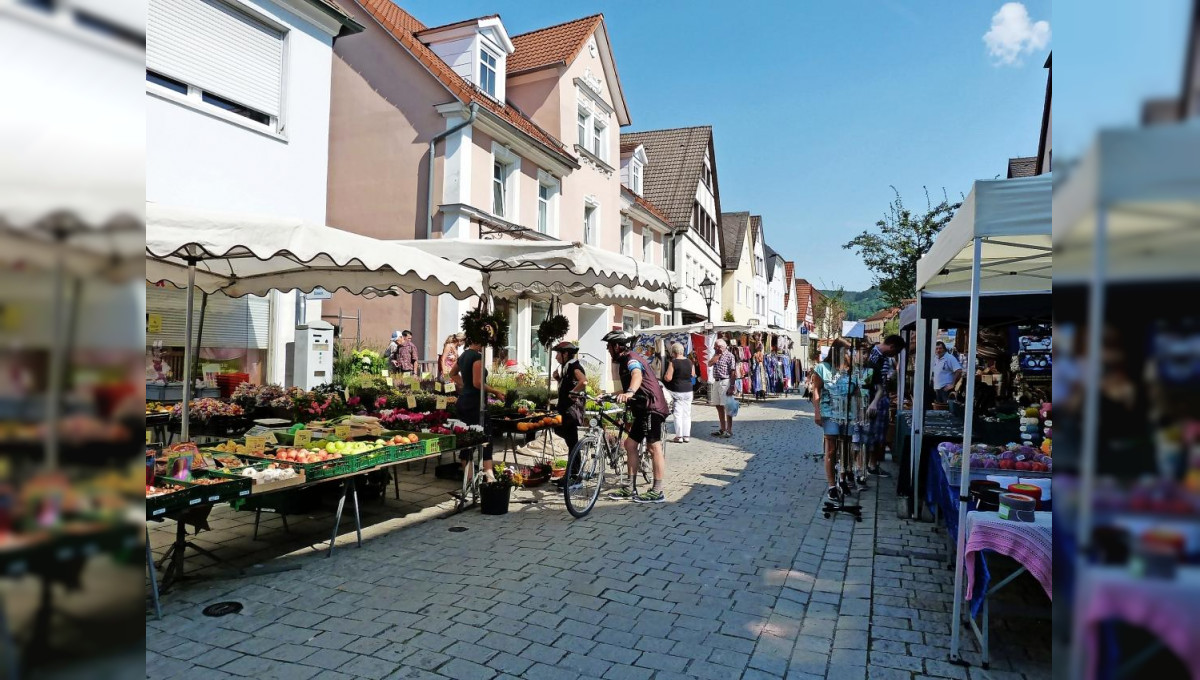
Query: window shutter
point(218, 49)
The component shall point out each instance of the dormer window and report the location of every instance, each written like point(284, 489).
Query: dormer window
point(487, 72)
point(635, 177)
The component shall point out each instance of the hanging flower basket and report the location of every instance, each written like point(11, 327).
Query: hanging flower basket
point(485, 329)
point(552, 329)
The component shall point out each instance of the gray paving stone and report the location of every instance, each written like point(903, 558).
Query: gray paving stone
point(662, 662)
point(902, 662)
point(843, 672)
point(507, 663)
point(614, 653)
point(461, 669)
point(620, 672)
point(331, 640)
point(290, 653)
point(542, 654)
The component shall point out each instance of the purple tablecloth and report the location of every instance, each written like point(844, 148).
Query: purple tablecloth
point(1029, 543)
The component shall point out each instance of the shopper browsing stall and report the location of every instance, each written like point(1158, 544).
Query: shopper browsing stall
point(830, 392)
point(678, 381)
point(572, 383)
point(470, 363)
point(946, 371)
point(402, 353)
point(722, 364)
point(875, 382)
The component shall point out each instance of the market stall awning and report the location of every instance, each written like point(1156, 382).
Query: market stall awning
point(1147, 181)
point(623, 296)
point(252, 254)
point(699, 328)
point(1012, 217)
point(525, 264)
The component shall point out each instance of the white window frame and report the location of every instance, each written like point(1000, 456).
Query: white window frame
point(591, 221)
point(583, 123)
point(635, 176)
point(599, 140)
point(550, 182)
point(626, 237)
point(493, 67)
point(647, 245)
point(511, 172)
point(194, 97)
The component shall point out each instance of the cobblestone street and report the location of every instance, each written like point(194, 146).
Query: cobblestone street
point(736, 576)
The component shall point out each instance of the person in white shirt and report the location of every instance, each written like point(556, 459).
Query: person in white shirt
point(946, 372)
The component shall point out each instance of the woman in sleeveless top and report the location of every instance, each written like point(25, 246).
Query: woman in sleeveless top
point(678, 381)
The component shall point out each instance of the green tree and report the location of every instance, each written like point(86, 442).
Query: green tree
point(892, 327)
point(830, 313)
point(902, 238)
point(728, 316)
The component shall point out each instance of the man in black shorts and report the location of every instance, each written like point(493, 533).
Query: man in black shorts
point(648, 404)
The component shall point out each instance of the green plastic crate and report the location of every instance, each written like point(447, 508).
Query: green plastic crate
point(161, 505)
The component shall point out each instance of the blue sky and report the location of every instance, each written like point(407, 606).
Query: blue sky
point(818, 107)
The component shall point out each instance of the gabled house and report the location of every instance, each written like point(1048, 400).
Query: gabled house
point(789, 296)
point(681, 180)
point(808, 300)
point(738, 267)
point(875, 323)
point(758, 247)
point(777, 298)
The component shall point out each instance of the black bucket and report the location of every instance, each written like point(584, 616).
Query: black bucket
point(493, 500)
point(985, 495)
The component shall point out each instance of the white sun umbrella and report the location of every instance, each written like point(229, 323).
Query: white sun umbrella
point(66, 177)
point(253, 255)
point(548, 265)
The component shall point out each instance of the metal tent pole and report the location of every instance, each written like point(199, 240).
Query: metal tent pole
point(1091, 420)
point(965, 478)
point(57, 345)
point(187, 352)
point(918, 409)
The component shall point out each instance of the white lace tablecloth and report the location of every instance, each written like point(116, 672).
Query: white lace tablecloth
point(1029, 543)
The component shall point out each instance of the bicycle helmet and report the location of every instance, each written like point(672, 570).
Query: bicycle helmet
point(618, 338)
point(567, 346)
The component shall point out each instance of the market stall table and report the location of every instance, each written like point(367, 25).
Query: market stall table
point(1170, 609)
point(1028, 543)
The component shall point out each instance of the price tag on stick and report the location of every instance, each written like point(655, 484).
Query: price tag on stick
point(256, 444)
point(341, 431)
point(412, 401)
point(441, 403)
point(303, 439)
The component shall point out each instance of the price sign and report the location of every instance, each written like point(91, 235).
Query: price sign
point(149, 436)
point(412, 401)
point(341, 431)
point(303, 439)
point(256, 444)
point(271, 438)
point(441, 403)
point(154, 323)
point(385, 373)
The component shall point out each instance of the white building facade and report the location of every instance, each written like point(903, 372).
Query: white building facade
point(237, 121)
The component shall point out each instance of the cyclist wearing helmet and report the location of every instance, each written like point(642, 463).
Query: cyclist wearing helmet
point(649, 407)
point(572, 381)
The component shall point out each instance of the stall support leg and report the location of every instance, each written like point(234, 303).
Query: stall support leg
point(257, 517)
point(153, 582)
point(348, 488)
point(9, 646)
point(396, 479)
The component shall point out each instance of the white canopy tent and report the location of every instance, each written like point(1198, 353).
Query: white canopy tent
point(1128, 214)
point(559, 268)
point(253, 255)
point(998, 242)
point(71, 187)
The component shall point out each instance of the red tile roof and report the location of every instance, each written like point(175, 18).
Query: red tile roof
point(883, 314)
point(552, 45)
point(789, 274)
point(403, 27)
point(804, 292)
point(650, 207)
point(464, 22)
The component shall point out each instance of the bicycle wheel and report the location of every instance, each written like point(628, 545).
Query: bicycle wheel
point(469, 492)
point(646, 462)
point(585, 475)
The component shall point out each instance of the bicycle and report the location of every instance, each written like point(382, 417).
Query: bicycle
point(468, 494)
point(586, 462)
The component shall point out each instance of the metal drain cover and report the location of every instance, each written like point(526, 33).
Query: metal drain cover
point(223, 608)
point(457, 530)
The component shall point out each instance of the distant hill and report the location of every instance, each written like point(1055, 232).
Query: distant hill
point(861, 304)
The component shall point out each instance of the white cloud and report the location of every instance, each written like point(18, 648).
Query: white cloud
point(1013, 34)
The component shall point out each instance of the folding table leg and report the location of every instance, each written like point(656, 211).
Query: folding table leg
point(396, 479)
point(257, 516)
point(337, 521)
point(986, 659)
point(357, 518)
point(153, 584)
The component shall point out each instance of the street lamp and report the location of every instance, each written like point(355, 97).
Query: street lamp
point(708, 288)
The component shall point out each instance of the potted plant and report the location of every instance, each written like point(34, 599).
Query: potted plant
point(495, 495)
point(559, 469)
